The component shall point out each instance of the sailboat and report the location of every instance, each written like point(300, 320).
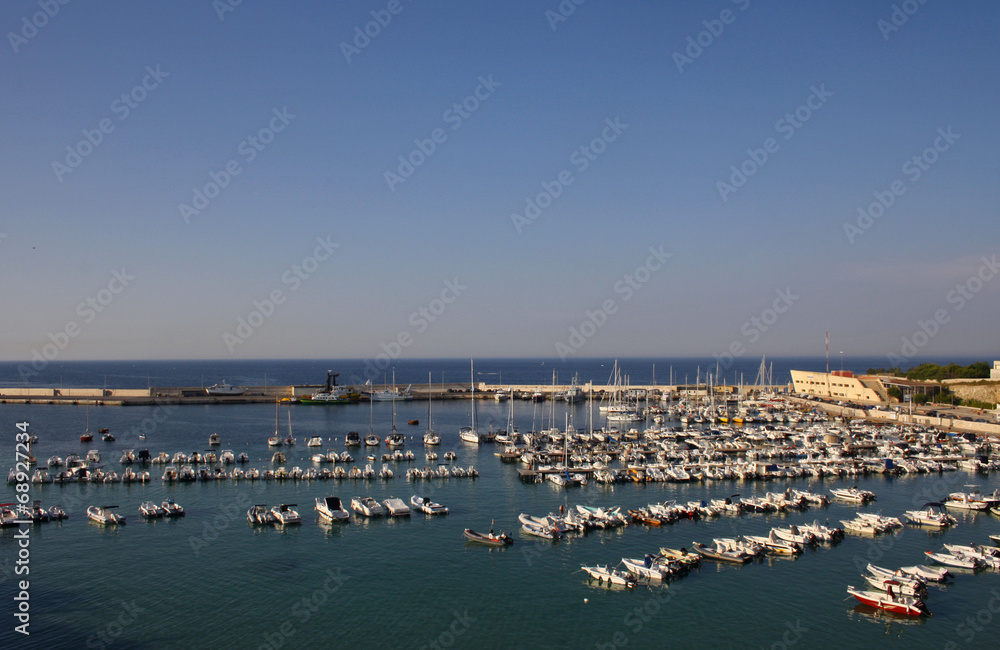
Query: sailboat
point(431, 437)
point(275, 440)
point(87, 436)
point(394, 439)
point(290, 441)
point(371, 440)
point(471, 434)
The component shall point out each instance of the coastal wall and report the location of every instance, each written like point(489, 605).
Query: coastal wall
point(979, 389)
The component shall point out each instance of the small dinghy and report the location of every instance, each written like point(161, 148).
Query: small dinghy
point(425, 505)
point(535, 530)
point(948, 559)
point(610, 576)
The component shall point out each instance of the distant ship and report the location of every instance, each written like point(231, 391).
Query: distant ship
point(225, 389)
point(331, 393)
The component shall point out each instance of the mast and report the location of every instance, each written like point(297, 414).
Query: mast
point(472, 378)
point(430, 396)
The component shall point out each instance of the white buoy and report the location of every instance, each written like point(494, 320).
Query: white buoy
point(586, 600)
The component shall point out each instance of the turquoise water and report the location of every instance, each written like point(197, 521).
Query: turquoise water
point(210, 580)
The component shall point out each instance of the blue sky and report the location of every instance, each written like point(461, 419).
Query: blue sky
point(435, 264)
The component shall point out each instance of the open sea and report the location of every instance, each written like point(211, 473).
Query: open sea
point(209, 580)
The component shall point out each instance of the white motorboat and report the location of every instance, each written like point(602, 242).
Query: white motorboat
point(352, 439)
point(315, 441)
point(425, 505)
point(646, 568)
point(961, 562)
point(925, 573)
point(172, 509)
point(367, 506)
point(896, 587)
point(795, 534)
point(259, 514)
point(548, 532)
point(151, 510)
point(105, 515)
point(284, 515)
point(396, 507)
point(331, 509)
point(372, 440)
point(967, 501)
point(974, 552)
point(853, 495)
point(215, 439)
point(931, 517)
point(608, 575)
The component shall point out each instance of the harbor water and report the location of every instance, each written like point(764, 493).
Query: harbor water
point(210, 580)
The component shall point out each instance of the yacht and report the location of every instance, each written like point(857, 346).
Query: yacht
point(284, 515)
point(367, 506)
point(105, 515)
point(352, 439)
point(331, 509)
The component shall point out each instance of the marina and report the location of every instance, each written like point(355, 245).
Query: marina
point(699, 484)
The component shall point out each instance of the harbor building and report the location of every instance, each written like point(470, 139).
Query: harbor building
point(840, 385)
point(995, 371)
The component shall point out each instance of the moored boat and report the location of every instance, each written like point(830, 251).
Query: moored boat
point(284, 515)
point(425, 505)
point(331, 509)
point(489, 539)
point(890, 603)
point(105, 515)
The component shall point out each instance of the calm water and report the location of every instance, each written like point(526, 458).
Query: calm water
point(209, 580)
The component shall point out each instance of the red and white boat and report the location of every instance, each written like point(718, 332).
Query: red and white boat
point(895, 604)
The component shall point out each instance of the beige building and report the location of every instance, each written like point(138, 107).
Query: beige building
point(995, 372)
point(840, 385)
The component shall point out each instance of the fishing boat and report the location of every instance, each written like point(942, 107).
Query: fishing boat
point(367, 506)
point(425, 505)
point(331, 509)
point(489, 539)
point(258, 515)
point(890, 603)
point(395, 507)
point(105, 515)
point(284, 515)
point(150, 510)
point(331, 393)
point(609, 576)
point(172, 509)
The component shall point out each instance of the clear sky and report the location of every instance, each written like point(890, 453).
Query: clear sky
point(123, 235)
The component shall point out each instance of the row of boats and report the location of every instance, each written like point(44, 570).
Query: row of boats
point(904, 591)
point(331, 509)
